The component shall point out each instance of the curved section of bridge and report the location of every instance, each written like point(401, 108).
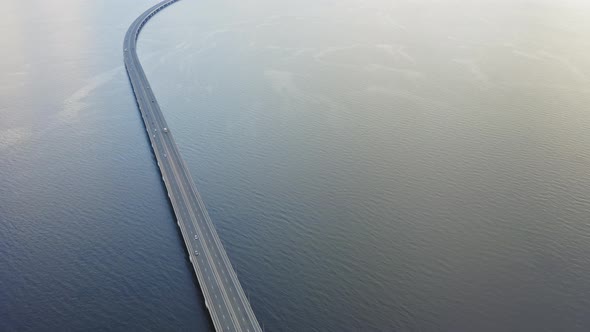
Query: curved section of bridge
point(228, 306)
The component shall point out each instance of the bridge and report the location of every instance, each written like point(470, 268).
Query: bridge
point(228, 306)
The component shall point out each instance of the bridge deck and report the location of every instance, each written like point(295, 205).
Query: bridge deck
point(228, 306)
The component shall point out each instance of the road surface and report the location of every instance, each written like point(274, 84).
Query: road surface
point(228, 306)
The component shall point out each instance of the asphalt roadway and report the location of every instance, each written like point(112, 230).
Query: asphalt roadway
point(225, 299)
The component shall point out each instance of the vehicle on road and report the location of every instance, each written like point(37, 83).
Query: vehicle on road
point(196, 237)
point(165, 129)
point(196, 253)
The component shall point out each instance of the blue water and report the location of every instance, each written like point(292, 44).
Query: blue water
point(87, 238)
point(369, 165)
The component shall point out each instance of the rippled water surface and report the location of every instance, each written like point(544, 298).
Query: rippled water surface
point(370, 165)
